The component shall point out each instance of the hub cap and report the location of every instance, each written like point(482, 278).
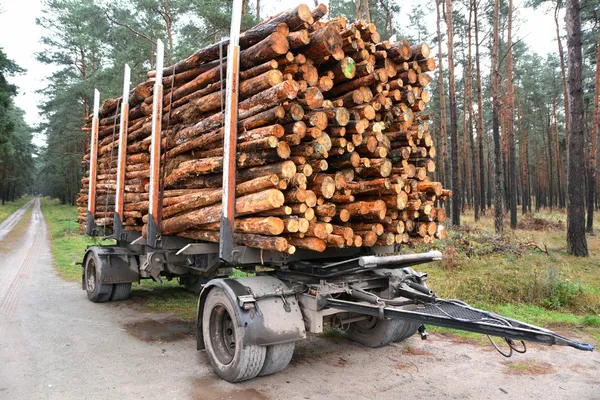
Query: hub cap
point(222, 334)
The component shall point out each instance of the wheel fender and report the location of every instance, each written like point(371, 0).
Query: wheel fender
point(117, 265)
point(269, 322)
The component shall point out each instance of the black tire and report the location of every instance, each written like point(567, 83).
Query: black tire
point(121, 291)
point(96, 292)
point(230, 358)
point(407, 328)
point(374, 332)
point(277, 358)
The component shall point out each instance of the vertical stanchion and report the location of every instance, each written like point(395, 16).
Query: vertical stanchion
point(122, 159)
point(157, 102)
point(90, 226)
point(226, 242)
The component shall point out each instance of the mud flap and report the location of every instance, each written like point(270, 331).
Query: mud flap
point(459, 315)
point(265, 310)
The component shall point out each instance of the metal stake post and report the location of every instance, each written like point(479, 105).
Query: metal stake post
point(122, 160)
point(90, 226)
point(157, 102)
point(230, 136)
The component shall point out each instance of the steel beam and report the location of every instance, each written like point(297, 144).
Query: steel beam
point(90, 226)
point(122, 160)
point(157, 102)
point(226, 243)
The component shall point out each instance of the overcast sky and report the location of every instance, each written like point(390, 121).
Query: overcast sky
point(20, 36)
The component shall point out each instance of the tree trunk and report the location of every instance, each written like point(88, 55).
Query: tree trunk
point(524, 160)
point(475, 160)
point(480, 141)
point(456, 201)
point(367, 11)
point(591, 189)
point(444, 173)
point(576, 240)
point(512, 174)
point(498, 217)
point(563, 69)
point(357, 9)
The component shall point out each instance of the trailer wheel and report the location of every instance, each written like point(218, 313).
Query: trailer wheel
point(121, 291)
point(96, 291)
point(374, 332)
point(277, 358)
point(230, 358)
point(407, 328)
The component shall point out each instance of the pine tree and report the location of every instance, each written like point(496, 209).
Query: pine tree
point(576, 240)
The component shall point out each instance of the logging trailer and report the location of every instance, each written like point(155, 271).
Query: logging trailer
point(248, 326)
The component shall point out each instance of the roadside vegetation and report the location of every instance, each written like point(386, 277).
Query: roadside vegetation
point(67, 244)
point(526, 274)
point(10, 207)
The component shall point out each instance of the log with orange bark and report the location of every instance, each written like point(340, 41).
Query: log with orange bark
point(334, 148)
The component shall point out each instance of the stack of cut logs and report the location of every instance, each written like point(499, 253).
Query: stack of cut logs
point(334, 149)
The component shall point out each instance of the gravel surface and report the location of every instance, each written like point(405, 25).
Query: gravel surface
point(54, 344)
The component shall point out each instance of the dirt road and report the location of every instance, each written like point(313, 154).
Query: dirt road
point(54, 344)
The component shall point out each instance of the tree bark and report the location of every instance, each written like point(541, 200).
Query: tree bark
point(512, 162)
point(480, 142)
point(563, 69)
point(498, 215)
point(591, 188)
point(443, 159)
point(453, 118)
point(576, 240)
point(474, 158)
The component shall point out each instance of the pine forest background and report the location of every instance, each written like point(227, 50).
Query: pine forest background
point(500, 113)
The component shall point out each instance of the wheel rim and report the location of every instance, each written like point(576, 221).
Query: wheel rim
point(222, 334)
point(91, 275)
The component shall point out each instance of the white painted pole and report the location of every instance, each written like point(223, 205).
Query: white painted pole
point(121, 162)
point(90, 225)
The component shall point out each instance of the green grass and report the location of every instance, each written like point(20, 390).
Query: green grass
point(7, 209)
point(166, 298)
point(68, 245)
point(506, 275)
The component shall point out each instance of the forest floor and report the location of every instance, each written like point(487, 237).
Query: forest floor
point(54, 341)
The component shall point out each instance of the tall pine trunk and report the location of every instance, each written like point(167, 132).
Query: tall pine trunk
point(512, 162)
point(591, 187)
point(474, 159)
point(480, 143)
point(498, 218)
point(576, 240)
point(443, 133)
point(563, 68)
point(524, 160)
point(456, 201)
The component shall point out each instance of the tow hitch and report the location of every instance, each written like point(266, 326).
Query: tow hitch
point(459, 315)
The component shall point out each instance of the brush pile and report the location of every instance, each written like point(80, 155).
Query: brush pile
point(334, 147)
